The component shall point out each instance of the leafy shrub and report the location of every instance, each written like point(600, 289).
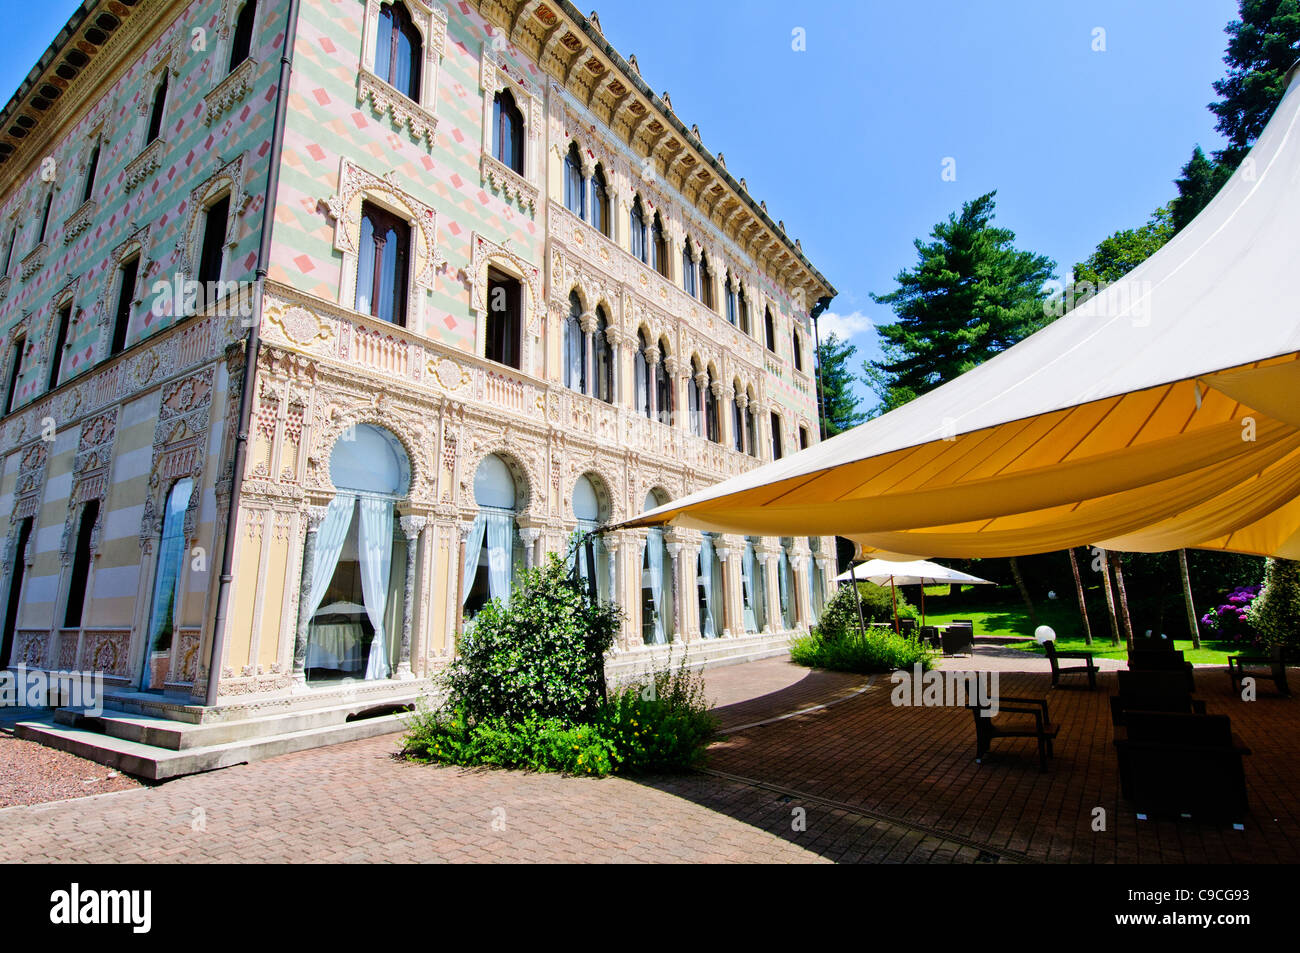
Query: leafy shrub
point(840, 616)
point(1275, 615)
point(542, 656)
point(538, 744)
point(659, 725)
point(877, 651)
point(1230, 621)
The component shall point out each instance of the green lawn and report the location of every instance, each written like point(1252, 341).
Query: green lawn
point(1012, 619)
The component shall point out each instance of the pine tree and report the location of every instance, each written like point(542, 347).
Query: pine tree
point(971, 294)
point(838, 405)
point(1262, 45)
point(1199, 183)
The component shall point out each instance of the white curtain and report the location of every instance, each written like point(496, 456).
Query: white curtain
point(573, 356)
point(501, 554)
point(473, 549)
point(706, 581)
point(747, 570)
point(642, 384)
point(375, 556)
point(330, 538)
point(654, 547)
point(718, 597)
point(783, 580)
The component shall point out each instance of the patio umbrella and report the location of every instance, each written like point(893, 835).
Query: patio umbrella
point(915, 572)
point(1158, 415)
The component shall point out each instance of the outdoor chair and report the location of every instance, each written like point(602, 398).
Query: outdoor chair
point(1089, 666)
point(907, 626)
point(989, 728)
point(1152, 691)
point(958, 640)
point(1271, 667)
point(930, 635)
point(1161, 660)
point(1174, 763)
point(969, 622)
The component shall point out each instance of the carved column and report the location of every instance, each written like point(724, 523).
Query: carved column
point(315, 515)
point(412, 527)
point(652, 380)
point(588, 324)
point(742, 401)
point(728, 616)
point(529, 535)
point(674, 551)
point(772, 591)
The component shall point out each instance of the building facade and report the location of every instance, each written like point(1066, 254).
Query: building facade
point(493, 291)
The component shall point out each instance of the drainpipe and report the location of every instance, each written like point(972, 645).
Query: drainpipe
point(251, 347)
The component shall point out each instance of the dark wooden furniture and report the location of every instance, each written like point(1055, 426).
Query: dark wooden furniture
point(990, 727)
point(1175, 763)
point(1152, 691)
point(1271, 666)
point(907, 626)
point(1161, 660)
point(1089, 666)
point(958, 640)
point(930, 634)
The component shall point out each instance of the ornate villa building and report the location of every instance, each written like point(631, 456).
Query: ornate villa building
point(322, 320)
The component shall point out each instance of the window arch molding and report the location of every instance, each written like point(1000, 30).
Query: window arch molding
point(228, 180)
point(496, 75)
point(136, 244)
point(357, 186)
point(417, 115)
point(527, 482)
point(486, 254)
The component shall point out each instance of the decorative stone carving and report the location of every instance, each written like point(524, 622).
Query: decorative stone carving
point(230, 92)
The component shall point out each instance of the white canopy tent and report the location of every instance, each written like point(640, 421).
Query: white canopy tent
point(1161, 414)
point(917, 572)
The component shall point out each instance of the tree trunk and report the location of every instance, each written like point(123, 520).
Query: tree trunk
point(1123, 600)
point(1083, 605)
point(1192, 625)
point(1024, 592)
point(1110, 597)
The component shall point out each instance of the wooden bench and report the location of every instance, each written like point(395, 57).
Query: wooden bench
point(1089, 666)
point(1271, 667)
point(1152, 691)
point(988, 728)
point(1175, 763)
point(1162, 660)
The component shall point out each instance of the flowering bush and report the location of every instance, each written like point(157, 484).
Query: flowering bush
point(1229, 621)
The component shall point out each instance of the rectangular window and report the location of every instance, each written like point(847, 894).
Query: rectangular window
point(15, 368)
point(16, 574)
point(92, 168)
point(9, 251)
point(125, 296)
point(798, 351)
point(776, 436)
point(60, 341)
point(214, 238)
point(382, 265)
point(504, 319)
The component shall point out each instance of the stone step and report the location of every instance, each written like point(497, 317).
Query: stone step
point(183, 735)
point(159, 764)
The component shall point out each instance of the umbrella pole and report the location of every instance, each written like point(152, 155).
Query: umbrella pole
point(893, 597)
point(857, 599)
point(923, 605)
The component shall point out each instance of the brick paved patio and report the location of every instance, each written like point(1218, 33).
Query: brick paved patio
point(873, 782)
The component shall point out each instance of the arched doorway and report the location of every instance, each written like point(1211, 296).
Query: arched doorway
point(493, 552)
point(356, 602)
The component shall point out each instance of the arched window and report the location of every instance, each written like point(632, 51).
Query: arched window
point(166, 586)
point(657, 584)
point(777, 443)
point(212, 247)
point(737, 419)
point(797, 347)
point(74, 609)
point(9, 250)
point(600, 201)
point(742, 303)
point(603, 358)
point(593, 563)
point(709, 587)
point(712, 420)
point(493, 550)
point(45, 217)
point(575, 194)
point(16, 350)
point(575, 347)
point(355, 601)
point(383, 264)
point(751, 428)
point(642, 372)
point(398, 50)
point(637, 230)
point(729, 289)
point(508, 131)
point(693, 397)
point(504, 323)
point(665, 393)
point(63, 322)
point(156, 110)
point(127, 274)
point(769, 328)
point(706, 283)
point(803, 438)
point(92, 169)
point(659, 245)
point(242, 43)
point(688, 270)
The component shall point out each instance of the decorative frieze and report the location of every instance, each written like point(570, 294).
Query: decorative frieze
point(230, 92)
point(139, 169)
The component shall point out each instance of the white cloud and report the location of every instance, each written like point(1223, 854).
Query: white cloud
point(843, 325)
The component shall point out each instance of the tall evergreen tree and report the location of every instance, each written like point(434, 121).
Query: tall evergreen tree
point(838, 404)
point(971, 294)
point(1262, 45)
point(1199, 183)
point(1123, 251)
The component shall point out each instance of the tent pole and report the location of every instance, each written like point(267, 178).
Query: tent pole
point(923, 605)
point(893, 597)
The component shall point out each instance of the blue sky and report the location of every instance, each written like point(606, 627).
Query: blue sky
point(846, 139)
